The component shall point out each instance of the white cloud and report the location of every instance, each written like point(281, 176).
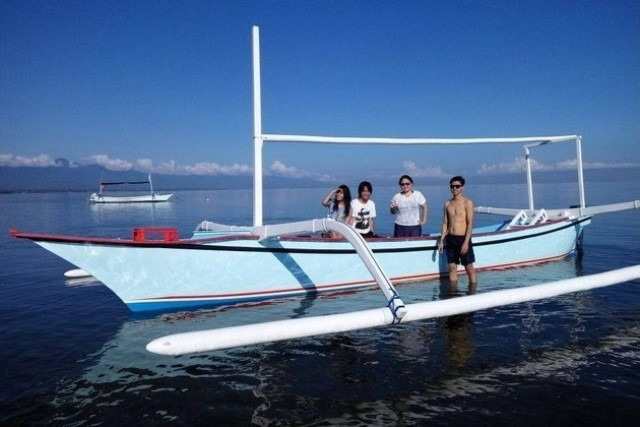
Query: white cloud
point(41, 161)
point(278, 168)
point(572, 164)
point(170, 167)
point(144, 165)
point(205, 168)
point(486, 169)
point(518, 164)
point(430, 172)
point(111, 164)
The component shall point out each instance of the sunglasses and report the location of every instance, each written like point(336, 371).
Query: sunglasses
point(455, 186)
point(338, 191)
point(404, 184)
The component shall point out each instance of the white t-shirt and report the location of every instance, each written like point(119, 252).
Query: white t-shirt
point(363, 213)
point(337, 214)
point(408, 207)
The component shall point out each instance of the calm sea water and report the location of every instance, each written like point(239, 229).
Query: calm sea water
point(72, 354)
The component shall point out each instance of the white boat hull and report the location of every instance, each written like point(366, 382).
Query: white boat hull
point(159, 275)
point(147, 198)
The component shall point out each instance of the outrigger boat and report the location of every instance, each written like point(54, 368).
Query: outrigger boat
point(156, 270)
point(152, 197)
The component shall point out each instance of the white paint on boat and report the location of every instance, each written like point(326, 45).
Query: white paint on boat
point(76, 273)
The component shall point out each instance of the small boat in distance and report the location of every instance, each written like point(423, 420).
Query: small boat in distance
point(145, 198)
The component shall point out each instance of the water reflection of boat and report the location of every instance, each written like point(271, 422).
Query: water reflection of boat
point(123, 359)
point(130, 207)
point(122, 374)
point(82, 281)
point(125, 352)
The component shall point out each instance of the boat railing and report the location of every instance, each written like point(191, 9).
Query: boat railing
point(523, 219)
point(518, 219)
point(571, 212)
point(540, 217)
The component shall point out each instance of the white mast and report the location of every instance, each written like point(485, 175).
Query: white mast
point(257, 132)
point(527, 156)
point(580, 173)
point(153, 196)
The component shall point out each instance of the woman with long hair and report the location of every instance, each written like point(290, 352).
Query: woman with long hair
point(339, 203)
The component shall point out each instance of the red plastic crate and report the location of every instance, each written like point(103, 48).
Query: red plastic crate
point(163, 234)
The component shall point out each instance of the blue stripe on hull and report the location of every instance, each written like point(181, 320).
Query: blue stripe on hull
point(165, 305)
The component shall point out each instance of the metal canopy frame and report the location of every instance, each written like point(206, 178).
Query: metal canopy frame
point(259, 139)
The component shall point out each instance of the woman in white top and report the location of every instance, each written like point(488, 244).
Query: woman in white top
point(363, 211)
point(410, 208)
point(339, 203)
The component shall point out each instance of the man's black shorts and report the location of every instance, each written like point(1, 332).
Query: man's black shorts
point(453, 246)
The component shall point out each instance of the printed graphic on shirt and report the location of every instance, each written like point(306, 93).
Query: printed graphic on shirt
point(362, 219)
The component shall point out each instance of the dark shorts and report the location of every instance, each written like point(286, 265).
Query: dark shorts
point(453, 246)
point(407, 230)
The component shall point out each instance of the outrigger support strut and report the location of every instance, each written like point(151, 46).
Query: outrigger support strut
point(394, 303)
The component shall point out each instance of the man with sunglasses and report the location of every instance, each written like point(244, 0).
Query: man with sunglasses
point(457, 225)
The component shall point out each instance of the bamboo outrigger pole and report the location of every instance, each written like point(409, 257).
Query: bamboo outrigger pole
point(235, 336)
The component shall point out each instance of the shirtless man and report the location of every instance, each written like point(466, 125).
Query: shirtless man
point(457, 225)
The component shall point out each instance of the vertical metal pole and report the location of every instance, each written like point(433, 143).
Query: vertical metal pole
point(527, 156)
point(257, 132)
point(580, 175)
point(151, 187)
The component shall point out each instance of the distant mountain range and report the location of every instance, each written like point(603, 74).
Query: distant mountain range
point(87, 178)
point(72, 177)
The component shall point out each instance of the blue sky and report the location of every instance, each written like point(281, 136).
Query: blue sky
point(166, 86)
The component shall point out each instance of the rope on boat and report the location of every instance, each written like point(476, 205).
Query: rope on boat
point(236, 336)
point(396, 309)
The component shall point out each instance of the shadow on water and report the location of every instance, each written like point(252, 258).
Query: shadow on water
point(457, 330)
point(115, 214)
point(305, 304)
point(579, 255)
